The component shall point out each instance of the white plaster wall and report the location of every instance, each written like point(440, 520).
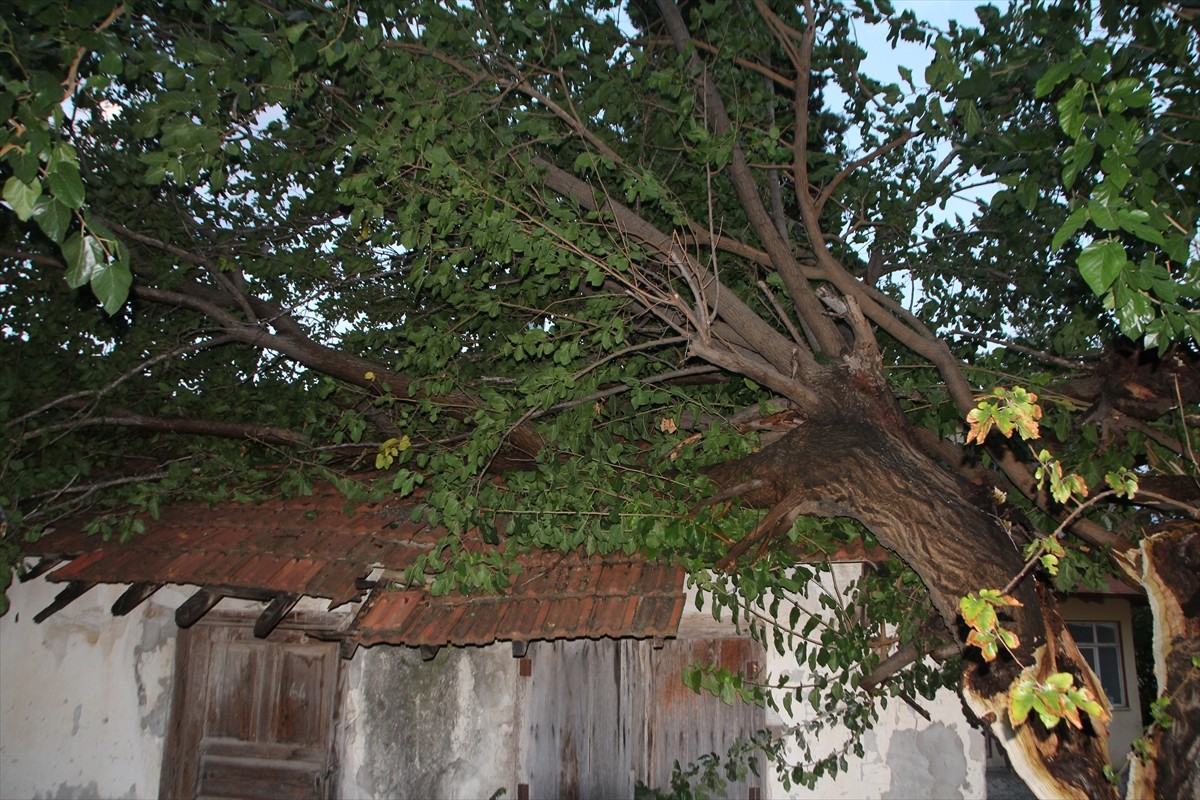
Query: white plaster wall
point(84, 697)
point(906, 755)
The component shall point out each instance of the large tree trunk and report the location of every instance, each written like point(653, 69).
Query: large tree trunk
point(856, 457)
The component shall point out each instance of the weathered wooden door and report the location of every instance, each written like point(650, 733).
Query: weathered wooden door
point(597, 715)
point(251, 718)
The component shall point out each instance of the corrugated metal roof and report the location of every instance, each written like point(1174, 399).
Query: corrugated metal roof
point(324, 546)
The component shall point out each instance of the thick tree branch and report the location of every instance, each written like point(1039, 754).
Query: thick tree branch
point(335, 363)
point(776, 350)
point(125, 418)
point(897, 661)
point(807, 305)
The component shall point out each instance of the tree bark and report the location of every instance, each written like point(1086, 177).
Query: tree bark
point(1171, 577)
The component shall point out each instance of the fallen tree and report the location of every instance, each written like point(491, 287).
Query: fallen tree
point(635, 260)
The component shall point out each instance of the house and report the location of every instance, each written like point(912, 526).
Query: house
point(1102, 624)
point(266, 651)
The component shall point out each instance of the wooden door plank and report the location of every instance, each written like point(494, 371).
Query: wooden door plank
point(251, 717)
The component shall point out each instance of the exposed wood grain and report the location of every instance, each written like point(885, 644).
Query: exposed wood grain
point(253, 718)
point(598, 716)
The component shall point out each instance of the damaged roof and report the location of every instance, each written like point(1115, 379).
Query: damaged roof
point(325, 546)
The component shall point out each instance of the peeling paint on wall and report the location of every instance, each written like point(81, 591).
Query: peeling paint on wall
point(154, 658)
point(84, 696)
point(926, 762)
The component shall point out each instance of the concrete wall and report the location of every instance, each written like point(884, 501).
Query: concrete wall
point(84, 697)
point(426, 729)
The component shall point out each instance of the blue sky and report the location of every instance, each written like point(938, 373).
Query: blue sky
point(882, 60)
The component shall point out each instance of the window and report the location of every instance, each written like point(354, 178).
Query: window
point(1100, 644)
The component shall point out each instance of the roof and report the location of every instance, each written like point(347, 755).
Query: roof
point(326, 546)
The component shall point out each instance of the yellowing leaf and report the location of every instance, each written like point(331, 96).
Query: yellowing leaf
point(986, 642)
point(1020, 703)
point(1061, 681)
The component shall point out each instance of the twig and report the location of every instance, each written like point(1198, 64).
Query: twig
point(93, 487)
point(1187, 439)
point(1044, 356)
point(72, 80)
point(845, 172)
point(783, 317)
point(103, 390)
point(1033, 560)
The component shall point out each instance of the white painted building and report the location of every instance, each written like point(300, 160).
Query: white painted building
point(91, 707)
point(301, 671)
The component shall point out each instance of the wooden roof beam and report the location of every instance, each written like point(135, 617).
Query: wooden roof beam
point(68, 595)
point(275, 611)
point(133, 597)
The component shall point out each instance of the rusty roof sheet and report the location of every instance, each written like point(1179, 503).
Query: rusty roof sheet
point(324, 546)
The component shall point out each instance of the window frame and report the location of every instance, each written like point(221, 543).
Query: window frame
point(1117, 646)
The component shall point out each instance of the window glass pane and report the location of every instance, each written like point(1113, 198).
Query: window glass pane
point(1110, 674)
point(1089, 655)
point(1081, 632)
point(1106, 632)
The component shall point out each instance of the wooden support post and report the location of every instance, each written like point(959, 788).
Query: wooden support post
point(348, 648)
point(72, 591)
point(133, 597)
point(275, 611)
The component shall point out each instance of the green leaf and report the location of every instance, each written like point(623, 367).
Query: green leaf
point(1101, 262)
point(66, 185)
point(1070, 109)
point(1020, 703)
point(1102, 215)
point(110, 282)
point(1056, 74)
point(53, 217)
point(1075, 158)
point(84, 255)
point(971, 121)
point(22, 196)
point(1077, 219)
point(1136, 221)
